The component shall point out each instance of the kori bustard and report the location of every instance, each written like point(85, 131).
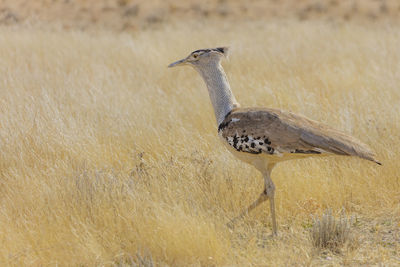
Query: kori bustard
point(263, 137)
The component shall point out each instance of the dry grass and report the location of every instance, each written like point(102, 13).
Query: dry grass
point(108, 157)
point(331, 233)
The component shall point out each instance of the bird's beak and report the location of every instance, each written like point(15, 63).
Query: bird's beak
point(177, 63)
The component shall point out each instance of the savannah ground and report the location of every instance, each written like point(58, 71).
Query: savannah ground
point(109, 158)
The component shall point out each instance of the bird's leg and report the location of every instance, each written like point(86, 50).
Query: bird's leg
point(253, 205)
point(270, 193)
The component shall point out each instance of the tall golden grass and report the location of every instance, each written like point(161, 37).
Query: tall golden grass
point(108, 157)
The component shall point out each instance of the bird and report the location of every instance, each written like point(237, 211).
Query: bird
point(263, 137)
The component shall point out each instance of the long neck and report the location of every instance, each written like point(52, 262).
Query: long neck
point(219, 90)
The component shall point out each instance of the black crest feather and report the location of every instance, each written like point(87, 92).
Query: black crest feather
point(221, 49)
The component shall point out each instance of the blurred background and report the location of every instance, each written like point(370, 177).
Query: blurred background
point(134, 15)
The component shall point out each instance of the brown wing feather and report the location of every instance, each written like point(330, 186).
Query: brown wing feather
point(287, 133)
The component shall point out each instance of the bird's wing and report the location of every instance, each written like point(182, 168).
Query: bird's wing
point(273, 131)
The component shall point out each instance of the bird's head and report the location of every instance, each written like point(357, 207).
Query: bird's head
point(202, 57)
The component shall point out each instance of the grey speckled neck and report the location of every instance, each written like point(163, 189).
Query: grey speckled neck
point(219, 90)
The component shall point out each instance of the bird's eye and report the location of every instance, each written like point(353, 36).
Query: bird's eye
point(195, 56)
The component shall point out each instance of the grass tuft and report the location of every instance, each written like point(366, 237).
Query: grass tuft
point(330, 233)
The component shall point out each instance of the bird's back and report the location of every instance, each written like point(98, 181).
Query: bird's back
point(277, 132)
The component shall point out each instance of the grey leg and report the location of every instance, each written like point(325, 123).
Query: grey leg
point(253, 205)
point(268, 193)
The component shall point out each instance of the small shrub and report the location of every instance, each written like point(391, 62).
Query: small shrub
point(144, 260)
point(141, 260)
point(329, 232)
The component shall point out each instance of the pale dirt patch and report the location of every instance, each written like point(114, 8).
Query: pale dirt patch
point(132, 15)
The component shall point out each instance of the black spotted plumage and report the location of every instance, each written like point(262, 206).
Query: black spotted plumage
point(278, 132)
